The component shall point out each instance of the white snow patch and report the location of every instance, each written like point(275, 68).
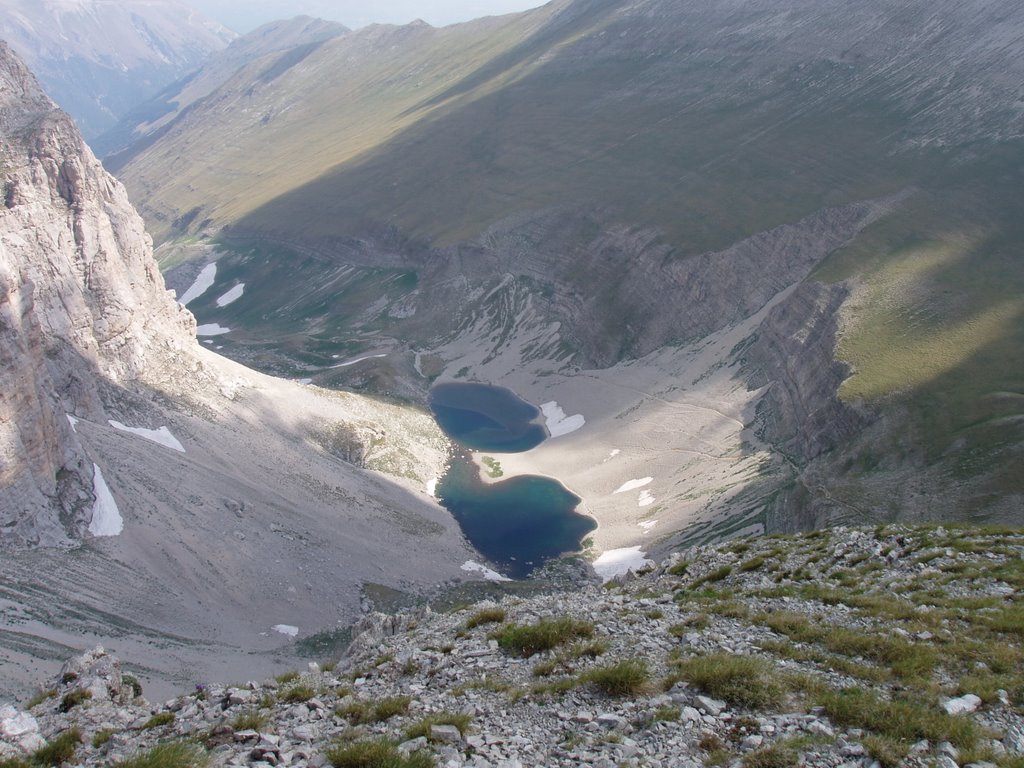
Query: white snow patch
point(303, 381)
point(616, 562)
point(487, 573)
point(615, 452)
point(106, 517)
point(646, 499)
point(212, 329)
point(633, 485)
point(432, 486)
point(648, 524)
point(231, 296)
point(202, 284)
point(286, 629)
point(73, 422)
point(162, 436)
point(357, 360)
point(418, 364)
point(558, 423)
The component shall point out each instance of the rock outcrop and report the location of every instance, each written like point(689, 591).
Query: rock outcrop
point(82, 303)
point(793, 354)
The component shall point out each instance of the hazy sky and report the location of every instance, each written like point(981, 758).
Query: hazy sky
point(244, 15)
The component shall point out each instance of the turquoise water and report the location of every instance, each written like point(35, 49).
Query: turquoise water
point(519, 523)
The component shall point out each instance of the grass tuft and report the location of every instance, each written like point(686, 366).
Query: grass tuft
point(251, 720)
point(422, 727)
point(772, 756)
point(60, 749)
point(169, 755)
point(375, 753)
point(486, 616)
point(527, 640)
point(626, 678)
point(158, 720)
point(74, 698)
point(361, 712)
point(744, 681)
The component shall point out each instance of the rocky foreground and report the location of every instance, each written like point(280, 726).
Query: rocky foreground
point(892, 646)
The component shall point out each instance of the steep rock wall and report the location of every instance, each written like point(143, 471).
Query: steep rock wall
point(81, 303)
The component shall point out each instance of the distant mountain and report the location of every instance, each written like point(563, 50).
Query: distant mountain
point(300, 36)
point(98, 59)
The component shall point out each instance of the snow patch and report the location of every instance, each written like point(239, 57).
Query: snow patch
point(357, 360)
point(161, 436)
point(617, 562)
point(286, 629)
point(487, 573)
point(633, 485)
point(73, 422)
point(558, 423)
point(418, 364)
point(211, 329)
point(648, 524)
point(106, 517)
point(432, 487)
point(202, 284)
point(231, 296)
point(646, 499)
point(303, 381)
point(615, 452)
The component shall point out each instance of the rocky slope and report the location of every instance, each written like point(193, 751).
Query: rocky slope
point(853, 647)
point(100, 59)
point(130, 454)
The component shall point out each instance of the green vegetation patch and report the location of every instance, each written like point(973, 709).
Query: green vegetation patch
point(169, 755)
point(901, 720)
point(60, 749)
point(375, 753)
point(743, 681)
point(159, 720)
point(527, 640)
point(422, 727)
point(486, 616)
point(361, 712)
point(625, 678)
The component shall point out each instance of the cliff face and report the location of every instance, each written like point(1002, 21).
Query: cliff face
point(793, 355)
point(81, 302)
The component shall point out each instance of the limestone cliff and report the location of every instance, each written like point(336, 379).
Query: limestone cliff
point(81, 300)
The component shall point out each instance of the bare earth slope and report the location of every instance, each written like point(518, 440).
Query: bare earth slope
point(155, 494)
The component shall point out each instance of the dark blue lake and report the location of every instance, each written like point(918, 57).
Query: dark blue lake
point(486, 418)
point(519, 523)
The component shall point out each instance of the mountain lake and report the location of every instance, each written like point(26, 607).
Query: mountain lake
point(519, 523)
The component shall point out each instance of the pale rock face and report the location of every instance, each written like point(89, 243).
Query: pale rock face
point(82, 306)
